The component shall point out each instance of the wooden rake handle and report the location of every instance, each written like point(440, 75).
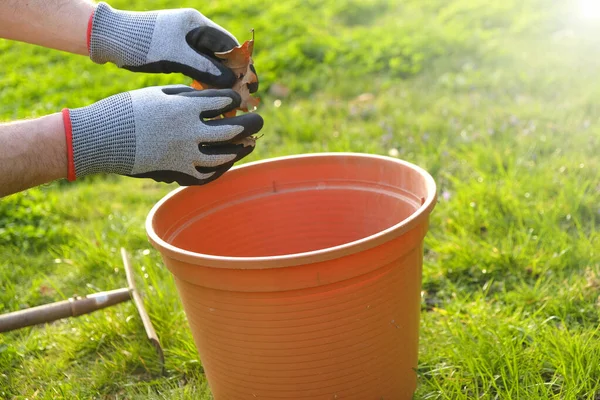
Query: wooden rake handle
point(77, 305)
point(72, 307)
point(139, 304)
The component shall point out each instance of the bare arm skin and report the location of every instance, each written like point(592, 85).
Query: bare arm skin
point(32, 152)
point(56, 24)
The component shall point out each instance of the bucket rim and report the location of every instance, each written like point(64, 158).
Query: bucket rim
point(308, 257)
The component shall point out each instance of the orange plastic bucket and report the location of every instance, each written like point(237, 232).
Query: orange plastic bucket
point(300, 276)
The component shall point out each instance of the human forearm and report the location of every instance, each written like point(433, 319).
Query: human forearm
point(32, 152)
point(57, 24)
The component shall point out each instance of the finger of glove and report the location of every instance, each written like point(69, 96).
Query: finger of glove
point(176, 89)
point(251, 124)
point(183, 179)
point(226, 79)
point(218, 172)
point(215, 156)
point(209, 40)
point(180, 178)
point(203, 42)
point(214, 102)
point(210, 159)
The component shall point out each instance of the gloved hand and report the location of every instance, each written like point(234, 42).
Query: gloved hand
point(166, 41)
point(159, 132)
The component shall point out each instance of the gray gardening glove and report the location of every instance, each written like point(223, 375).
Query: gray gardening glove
point(165, 41)
point(160, 133)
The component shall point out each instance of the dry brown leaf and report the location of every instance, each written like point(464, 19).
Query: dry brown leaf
point(238, 60)
point(241, 86)
point(247, 141)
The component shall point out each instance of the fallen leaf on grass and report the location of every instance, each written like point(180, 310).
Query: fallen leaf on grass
point(46, 290)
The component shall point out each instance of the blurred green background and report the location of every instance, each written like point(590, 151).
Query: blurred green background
point(499, 101)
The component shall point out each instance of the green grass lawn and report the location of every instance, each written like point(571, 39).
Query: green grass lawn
point(499, 101)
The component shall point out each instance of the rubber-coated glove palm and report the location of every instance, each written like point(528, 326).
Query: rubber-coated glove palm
point(164, 41)
point(159, 132)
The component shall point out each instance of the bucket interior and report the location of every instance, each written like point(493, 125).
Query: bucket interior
point(298, 208)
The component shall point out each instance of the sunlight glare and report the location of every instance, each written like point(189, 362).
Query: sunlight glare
point(589, 9)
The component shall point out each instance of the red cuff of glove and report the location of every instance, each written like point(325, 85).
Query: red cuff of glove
point(69, 139)
point(89, 30)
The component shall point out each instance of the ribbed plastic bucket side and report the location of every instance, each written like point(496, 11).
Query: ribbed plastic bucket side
point(337, 322)
point(354, 339)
